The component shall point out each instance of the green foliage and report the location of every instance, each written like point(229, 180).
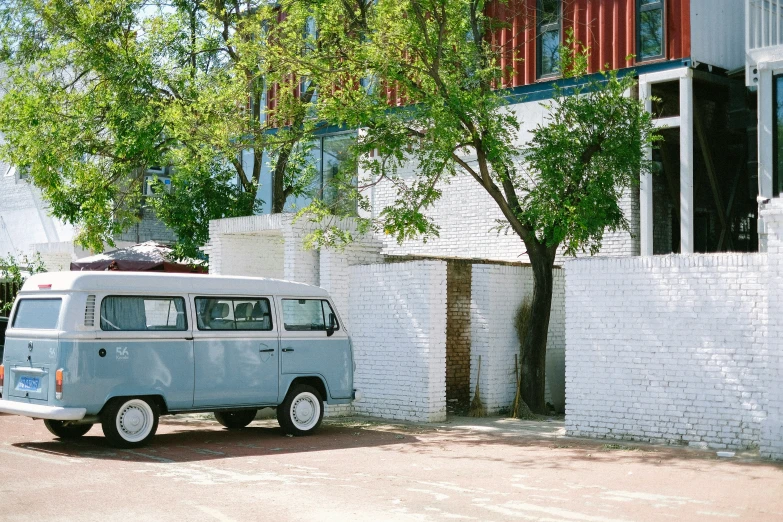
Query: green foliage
point(13, 269)
point(559, 189)
point(589, 150)
point(97, 92)
point(437, 58)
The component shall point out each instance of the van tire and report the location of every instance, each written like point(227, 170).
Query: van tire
point(302, 410)
point(66, 431)
point(130, 422)
point(235, 420)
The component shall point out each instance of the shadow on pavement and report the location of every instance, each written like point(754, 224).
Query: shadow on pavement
point(193, 441)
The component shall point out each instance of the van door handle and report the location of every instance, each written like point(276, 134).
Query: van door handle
point(267, 350)
point(288, 349)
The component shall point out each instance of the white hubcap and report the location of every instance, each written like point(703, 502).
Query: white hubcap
point(305, 411)
point(135, 420)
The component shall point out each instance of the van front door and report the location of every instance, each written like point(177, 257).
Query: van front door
point(236, 352)
point(314, 343)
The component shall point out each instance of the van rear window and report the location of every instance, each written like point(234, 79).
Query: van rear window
point(138, 314)
point(38, 314)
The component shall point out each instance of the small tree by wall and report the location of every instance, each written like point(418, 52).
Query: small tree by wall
point(12, 276)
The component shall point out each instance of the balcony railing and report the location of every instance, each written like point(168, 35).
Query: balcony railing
point(763, 24)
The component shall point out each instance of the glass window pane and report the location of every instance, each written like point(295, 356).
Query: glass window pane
point(651, 33)
point(548, 11)
point(777, 137)
point(338, 178)
point(328, 312)
point(225, 313)
point(215, 314)
point(313, 190)
point(303, 315)
point(41, 314)
point(550, 43)
point(252, 314)
point(138, 314)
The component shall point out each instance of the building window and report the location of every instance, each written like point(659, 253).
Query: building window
point(548, 41)
point(777, 136)
point(329, 156)
point(649, 29)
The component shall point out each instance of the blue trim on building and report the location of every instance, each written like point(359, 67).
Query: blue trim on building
point(545, 90)
point(539, 91)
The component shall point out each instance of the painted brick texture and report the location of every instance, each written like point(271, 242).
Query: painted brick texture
point(398, 328)
point(669, 348)
point(497, 291)
point(771, 444)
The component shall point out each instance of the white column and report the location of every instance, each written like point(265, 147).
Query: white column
point(686, 162)
point(766, 107)
point(646, 185)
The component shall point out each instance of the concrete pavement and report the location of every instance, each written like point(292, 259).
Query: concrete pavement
point(356, 469)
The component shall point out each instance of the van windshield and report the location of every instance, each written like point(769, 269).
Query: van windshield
point(38, 314)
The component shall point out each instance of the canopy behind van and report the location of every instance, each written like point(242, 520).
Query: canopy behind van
point(149, 256)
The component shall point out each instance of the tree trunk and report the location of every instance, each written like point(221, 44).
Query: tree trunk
point(533, 365)
point(278, 187)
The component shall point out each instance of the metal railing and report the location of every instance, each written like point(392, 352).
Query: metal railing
point(763, 23)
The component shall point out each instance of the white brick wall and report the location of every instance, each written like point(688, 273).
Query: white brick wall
point(398, 327)
point(669, 348)
point(335, 272)
point(771, 444)
point(496, 293)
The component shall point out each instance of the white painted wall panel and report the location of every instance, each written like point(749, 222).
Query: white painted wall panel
point(718, 32)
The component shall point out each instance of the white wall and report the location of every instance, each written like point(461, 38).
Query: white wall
point(398, 328)
point(668, 348)
point(771, 444)
point(24, 219)
point(496, 293)
point(718, 32)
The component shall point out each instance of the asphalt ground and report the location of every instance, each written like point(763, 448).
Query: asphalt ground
point(359, 469)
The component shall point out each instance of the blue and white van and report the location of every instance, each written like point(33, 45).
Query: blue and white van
point(121, 349)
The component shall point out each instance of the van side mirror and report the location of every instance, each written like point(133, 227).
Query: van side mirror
point(332, 326)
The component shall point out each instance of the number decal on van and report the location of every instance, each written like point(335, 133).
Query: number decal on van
point(122, 353)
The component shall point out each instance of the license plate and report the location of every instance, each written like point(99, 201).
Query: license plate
point(28, 384)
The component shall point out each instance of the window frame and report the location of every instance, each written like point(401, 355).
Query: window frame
point(542, 28)
point(268, 299)
point(186, 327)
point(640, 8)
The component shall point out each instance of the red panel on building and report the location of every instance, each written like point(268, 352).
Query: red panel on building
point(607, 27)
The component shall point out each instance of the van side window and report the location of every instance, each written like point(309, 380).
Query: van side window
point(230, 313)
point(307, 315)
point(137, 314)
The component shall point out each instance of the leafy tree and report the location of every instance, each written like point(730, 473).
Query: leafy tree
point(558, 193)
point(97, 92)
point(12, 271)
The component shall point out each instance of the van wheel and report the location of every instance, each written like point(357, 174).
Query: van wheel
point(302, 410)
point(66, 431)
point(129, 422)
point(235, 420)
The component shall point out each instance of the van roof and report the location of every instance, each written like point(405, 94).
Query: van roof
point(166, 283)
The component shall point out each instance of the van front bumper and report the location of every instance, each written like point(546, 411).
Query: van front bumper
point(39, 411)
